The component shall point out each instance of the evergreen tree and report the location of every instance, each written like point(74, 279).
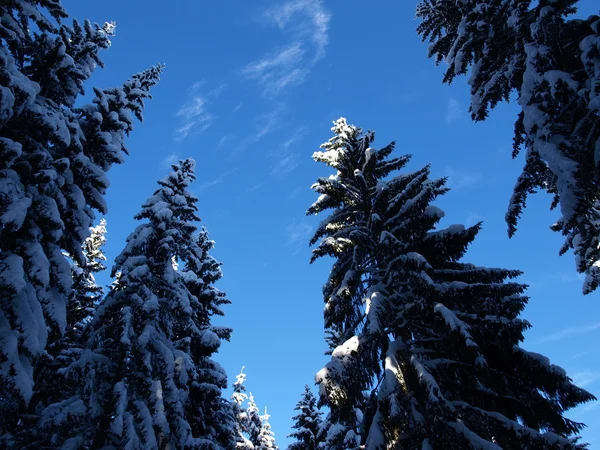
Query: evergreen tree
point(53, 159)
point(266, 437)
point(147, 378)
point(255, 423)
point(86, 294)
point(425, 348)
point(50, 385)
point(307, 423)
point(552, 62)
point(240, 413)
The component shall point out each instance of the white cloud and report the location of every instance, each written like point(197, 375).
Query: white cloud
point(255, 187)
point(459, 179)
point(473, 218)
point(568, 277)
point(217, 180)
point(453, 111)
point(194, 114)
point(284, 159)
point(298, 233)
point(583, 379)
point(306, 23)
point(224, 139)
point(266, 124)
point(169, 160)
point(589, 407)
point(567, 332)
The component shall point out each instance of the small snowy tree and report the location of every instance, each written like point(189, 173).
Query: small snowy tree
point(53, 159)
point(254, 422)
point(307, 423)
point(426, 346)
point(553, 64)
point(86, 293)
point(147, 378)
point(240, 414)
point(266, 437)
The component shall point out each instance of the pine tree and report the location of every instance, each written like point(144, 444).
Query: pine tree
point(266, 437)
point(53, 159)
point(425, 346)
point(240, 413)
point(86, 294)
point(50, 384)
point(255, 424)
point(147, 378)
point(307, 423)
point(553, 64)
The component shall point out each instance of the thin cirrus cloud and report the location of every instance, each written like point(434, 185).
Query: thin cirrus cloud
point(194, 114)
point(169, 160)
point(266, 124)
point(585, 378)
point(306, 24)
point(284, 160)
point(461, 179)
point(454, 111)
point(568, 332)
point(215, 181)
point(298, 233)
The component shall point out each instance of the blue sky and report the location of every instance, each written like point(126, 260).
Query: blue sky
point(250, 90)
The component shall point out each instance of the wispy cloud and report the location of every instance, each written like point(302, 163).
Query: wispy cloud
point(224, 139)
point(298, 233)
point(306, 24)
point(169, 160)
point(265, 125)
point(568, 332)
point(473, 218)
point(255, 187)
point(454, 111)
point(194, 114)
point(284, 159)
point(459, 179)
point(589, 407)
point(583, 379)
point(218, 180)
point(569, 277)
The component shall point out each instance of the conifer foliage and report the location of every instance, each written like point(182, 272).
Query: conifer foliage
point(307, 423)
point(53, 159)
point(255, 423)
point(266, 437)
point(425, 347)
point(147, 376)
point(553, 63)
point(240, 414)
point(86, 293)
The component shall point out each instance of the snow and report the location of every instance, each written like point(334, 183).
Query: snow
point(455, 323)
point(476, 441)
point(427, 379)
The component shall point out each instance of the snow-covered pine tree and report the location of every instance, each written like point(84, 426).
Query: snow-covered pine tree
point(147, 379)
point(53, 159)
point(254, 422)
point(428, 346)
point(553, 63)
point(240, 413)
point(307, 423)
point(266, 437)
point(86, 293)
point(50, 385)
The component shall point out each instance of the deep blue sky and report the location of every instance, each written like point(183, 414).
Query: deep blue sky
point(250, 91)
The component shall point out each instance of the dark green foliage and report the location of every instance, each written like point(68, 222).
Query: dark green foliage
point(552, 62)
point(425, 347)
